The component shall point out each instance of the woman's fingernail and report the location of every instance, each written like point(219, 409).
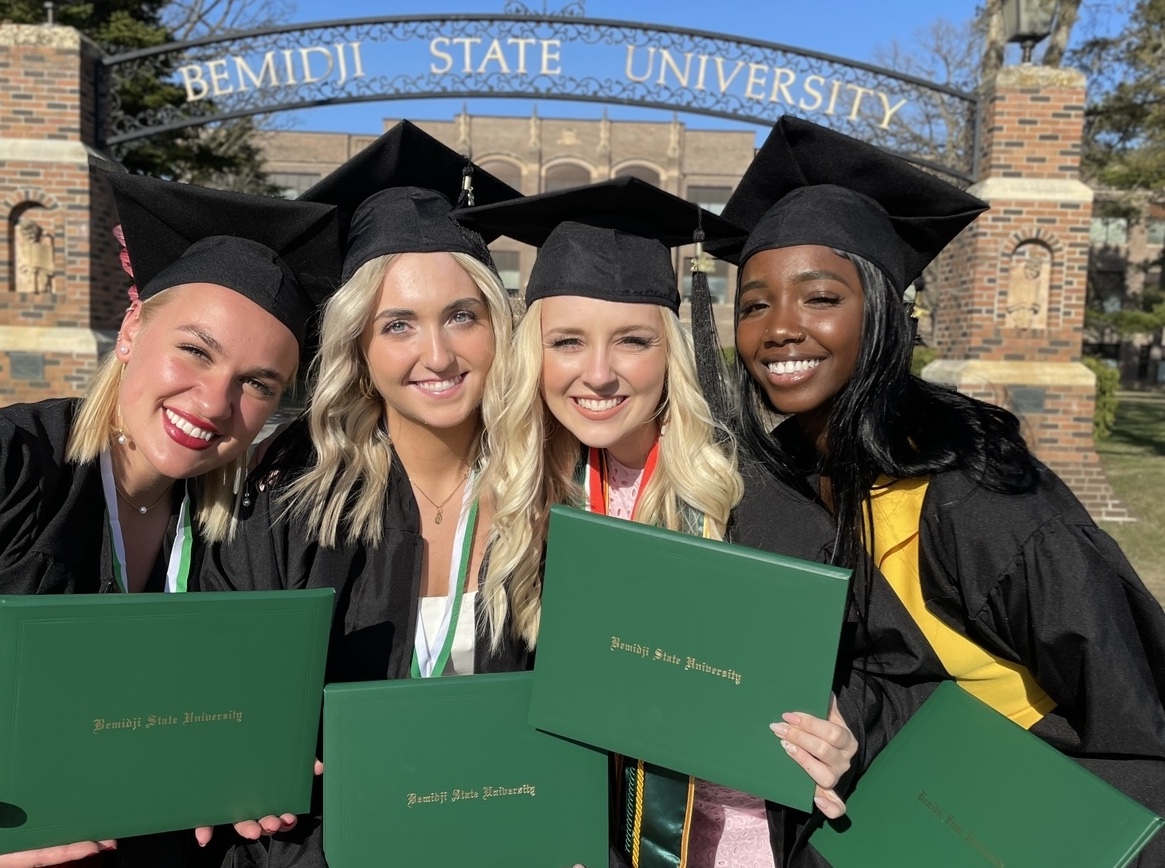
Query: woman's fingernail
point(789, 747)
point(793, 717)
point(780, 729)
point(823, 804)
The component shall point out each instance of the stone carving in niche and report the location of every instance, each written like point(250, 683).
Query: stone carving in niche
point(33, 256)
point(1027, 288)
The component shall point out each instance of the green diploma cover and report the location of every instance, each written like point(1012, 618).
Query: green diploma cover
point(446, 771)
point(961, 785)
point(682, 651)
point(130, 714)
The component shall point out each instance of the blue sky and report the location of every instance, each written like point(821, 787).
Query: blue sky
point(848, 28)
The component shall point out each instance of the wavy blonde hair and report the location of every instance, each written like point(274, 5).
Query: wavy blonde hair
point(216, 494)
point(532, 460)
point(347, 483)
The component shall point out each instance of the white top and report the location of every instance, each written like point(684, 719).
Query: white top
point(461, 657)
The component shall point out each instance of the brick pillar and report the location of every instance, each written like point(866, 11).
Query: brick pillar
point(1008, 301)
point(53, 335)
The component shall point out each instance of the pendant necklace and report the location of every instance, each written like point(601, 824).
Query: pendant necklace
point(439, 516)
point(142, 510)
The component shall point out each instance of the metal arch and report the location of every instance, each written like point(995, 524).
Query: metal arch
point(948, 116)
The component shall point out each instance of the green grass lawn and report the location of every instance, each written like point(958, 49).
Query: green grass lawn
point(1134, 459)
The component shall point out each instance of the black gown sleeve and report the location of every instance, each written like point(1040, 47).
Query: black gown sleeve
point(1034, 580)
point(53, 532)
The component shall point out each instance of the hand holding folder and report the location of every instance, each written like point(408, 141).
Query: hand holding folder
point(125, 715)
point(681, 651)
point(824, 748)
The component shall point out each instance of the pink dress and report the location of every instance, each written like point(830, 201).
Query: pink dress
point(729, 830)
point(622, 488)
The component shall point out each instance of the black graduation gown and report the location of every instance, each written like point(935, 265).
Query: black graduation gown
point(54, 539)
point(375, 616)
point(1031, 578)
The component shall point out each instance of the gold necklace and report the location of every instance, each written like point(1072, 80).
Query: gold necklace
point(142, 510)
point(439, 516)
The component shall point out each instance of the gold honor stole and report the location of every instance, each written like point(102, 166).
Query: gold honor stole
point(1007, 687)
point(657, 831)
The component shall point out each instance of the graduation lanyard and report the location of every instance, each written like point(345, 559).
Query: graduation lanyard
point(598, 486)
point(431, 657)
point(178, 567)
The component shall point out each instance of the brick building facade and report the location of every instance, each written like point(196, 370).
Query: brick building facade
point(53, 339)
point(1007, 306)
point(1006, 299)
point(536, 154)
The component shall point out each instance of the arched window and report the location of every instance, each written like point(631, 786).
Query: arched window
point(504, 171)
point(641, 172)
point(565, 175)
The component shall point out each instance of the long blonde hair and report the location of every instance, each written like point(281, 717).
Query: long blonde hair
point(216, 493)
point(532, 461)
point(347, 483)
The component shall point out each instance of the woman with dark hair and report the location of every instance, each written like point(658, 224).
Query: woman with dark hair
point(989, 571)
point(121, 491)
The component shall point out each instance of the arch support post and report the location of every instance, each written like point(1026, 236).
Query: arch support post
point(61, 289)
point(1007, 297)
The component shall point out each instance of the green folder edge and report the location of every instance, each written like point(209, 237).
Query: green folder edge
point(334, 785)
point(568, 728)
point(10, 813)
point(830, 840)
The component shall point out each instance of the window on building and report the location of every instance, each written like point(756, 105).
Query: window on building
point(509, 269)
point(1108, 289)
point(1156, 230)
point(564, 176)
point(643, 173)
point(291, 184)
point(717, 272)
point(711, 198)
point(1109, 231)
point(505, 172)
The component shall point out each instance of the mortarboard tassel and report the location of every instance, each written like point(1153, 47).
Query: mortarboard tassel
point(465, 200)
point(710, 368)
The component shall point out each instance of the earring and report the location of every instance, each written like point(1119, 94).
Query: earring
point(120, 430)
point(123, 350)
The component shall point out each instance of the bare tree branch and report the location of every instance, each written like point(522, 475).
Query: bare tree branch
point(1061, 32)
point(994, 40)
point(192, 19)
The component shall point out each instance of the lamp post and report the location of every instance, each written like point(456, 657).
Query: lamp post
point(1027, 22)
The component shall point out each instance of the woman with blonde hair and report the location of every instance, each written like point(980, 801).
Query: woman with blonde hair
point(373, 492)
point(121, 491)
point(602, 408)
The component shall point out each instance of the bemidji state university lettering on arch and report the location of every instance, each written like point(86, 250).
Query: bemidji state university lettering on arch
point(562, 56)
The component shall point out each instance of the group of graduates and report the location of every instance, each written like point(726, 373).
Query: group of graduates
point(442, 423)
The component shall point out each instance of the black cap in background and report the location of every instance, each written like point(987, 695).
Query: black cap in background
point(607, 241)
point(282, 255)
point(396, 195)
point(811, 185)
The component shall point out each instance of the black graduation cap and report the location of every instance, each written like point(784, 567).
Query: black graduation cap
point(280, 254)
point(811, 185)
point(607, 241)
point(396, 195)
